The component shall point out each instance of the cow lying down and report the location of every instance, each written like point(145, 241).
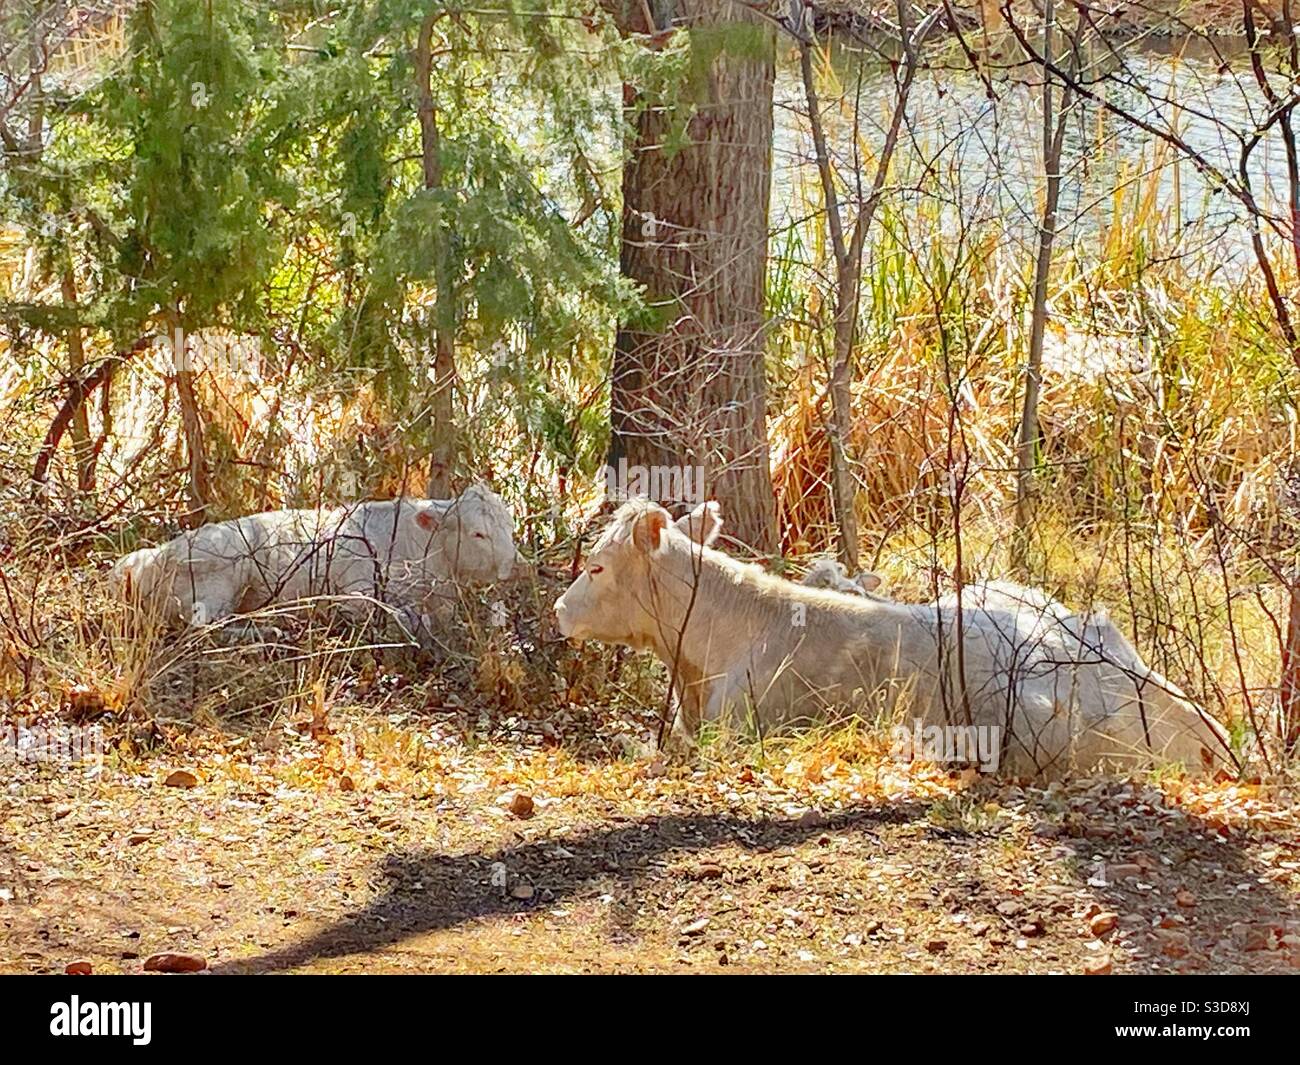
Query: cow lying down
point(399, 552)
point(827, 573)
point(1063, 692)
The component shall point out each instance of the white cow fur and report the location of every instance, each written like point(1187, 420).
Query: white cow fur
point(393, 551)
point(1068, 693)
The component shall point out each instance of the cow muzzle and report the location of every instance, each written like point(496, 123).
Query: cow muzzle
point(563, 620)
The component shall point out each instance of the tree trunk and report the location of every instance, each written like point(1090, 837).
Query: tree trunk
point(688, 386)
point(82, 447)
point(78, 392)
point(442, 436)
point(848, 273)
point(200, 486)
point(1289, 687)
point(1289, 681)
point(1027, 437)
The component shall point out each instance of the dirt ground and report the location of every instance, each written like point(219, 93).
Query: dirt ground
point(396, 844)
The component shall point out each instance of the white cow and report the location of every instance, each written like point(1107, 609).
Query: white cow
point(1063, 692)
point(828, 573)
point(392, 551)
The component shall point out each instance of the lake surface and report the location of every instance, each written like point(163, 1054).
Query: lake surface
point(967, 160)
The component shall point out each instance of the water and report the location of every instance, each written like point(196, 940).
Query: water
point(965, 160)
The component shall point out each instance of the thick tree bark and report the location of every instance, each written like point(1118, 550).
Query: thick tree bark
point(442, 437)
point(688, 388)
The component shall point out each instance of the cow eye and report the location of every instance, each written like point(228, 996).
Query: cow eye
point(593, 570)
point(480, 536)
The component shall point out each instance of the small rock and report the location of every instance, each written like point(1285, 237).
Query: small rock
point(1102, 923)
point(707, 871)
point(181, 778)
point(1032, 927)
point(656, 769)
point(1251, 936)
point(174, 963)
point(1124, 871)
point(523, 891)
point(520, 804)
point(1097, 967)
point(1185, 899)
point(810, 819)
point(697, 927)
point(936, 946)
point(1174, 944)
point(78, 968)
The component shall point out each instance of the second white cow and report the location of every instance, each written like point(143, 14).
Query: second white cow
point(393, 551)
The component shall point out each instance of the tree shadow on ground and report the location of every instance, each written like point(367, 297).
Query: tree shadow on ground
point(428, 891)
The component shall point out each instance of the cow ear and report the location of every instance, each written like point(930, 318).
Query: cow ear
point(648, 529)
point(868, 581)
point(703, 523)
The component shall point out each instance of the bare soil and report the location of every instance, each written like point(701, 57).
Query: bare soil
point(369, 846)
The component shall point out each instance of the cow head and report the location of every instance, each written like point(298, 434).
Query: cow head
point(611, 598)
point(474, 535)
point(828, 573)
